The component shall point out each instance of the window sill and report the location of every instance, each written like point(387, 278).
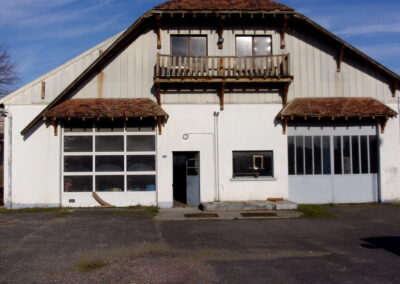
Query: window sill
point(253, 179)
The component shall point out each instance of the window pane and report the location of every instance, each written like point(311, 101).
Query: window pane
point(326, 154)
point(78, 163)
point(141, 163)
point(338, 154)
point(309, 156)
point(109, 143)
point(141, 183)
point(244, 46)
point(141, 143)
point(78, 125)
point(109, 163)
point(262, 45)
point(346, 155)
point(364, 154)
point(78, 183)
point(355, 150)
point(299, 155)
point(198, 46)
point(179, 45)
point(291, 155)
point(136, 125)
point(108, 125)
point(373, 155)
point(110, 183)
point(317, 155)
point(252, 163)
point(78, 144)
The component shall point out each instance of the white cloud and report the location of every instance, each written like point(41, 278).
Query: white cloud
point(370, 29)
point(381, 51)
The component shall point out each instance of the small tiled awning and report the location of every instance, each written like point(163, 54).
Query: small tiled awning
point(347, 108)
point(106, 108)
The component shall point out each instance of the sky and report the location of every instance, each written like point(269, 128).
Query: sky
point(43, 34)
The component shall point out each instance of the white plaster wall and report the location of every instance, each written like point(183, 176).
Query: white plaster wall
point(390, 160)
point(241, 127)
point(35, 161)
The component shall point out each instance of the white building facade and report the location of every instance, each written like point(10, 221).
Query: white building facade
point(202, 104)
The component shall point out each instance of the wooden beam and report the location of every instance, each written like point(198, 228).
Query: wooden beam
point(339, 58)
point(394, 87)
point(158, 31)
point(158, 94)
point(221, 32)
point(285, 91)
point(283, 30)
point(159, 125)
point(222, 96)
point(383, 122)
point(285, 122)
point(55, 125)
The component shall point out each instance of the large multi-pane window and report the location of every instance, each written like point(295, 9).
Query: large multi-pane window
point(311, 155)
point(109, 156)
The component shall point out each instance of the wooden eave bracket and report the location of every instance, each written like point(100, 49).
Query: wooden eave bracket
point(221, 32)
point(382, 122)
point(283, 30)
point(394, 87)
point(222, 96)
point(158, 93)
point(159, 125)
point(339, 59)
point(158, 30)
point(54, 122)
point(285, 122)
point(285, 92)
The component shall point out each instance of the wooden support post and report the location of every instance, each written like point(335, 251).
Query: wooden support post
point(394, 86)
point(221, 32)
point(283, 30)
point(382, 122)
point(339, 58)
point(222, 96)
point(158, 31)
point(158, 94)
point(159, 125)
point(285, 91)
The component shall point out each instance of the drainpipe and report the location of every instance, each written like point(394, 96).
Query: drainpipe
point(216, 156)
point(4, 114)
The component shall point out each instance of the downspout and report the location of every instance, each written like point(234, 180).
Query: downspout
point(4, 114)
point(216, 156)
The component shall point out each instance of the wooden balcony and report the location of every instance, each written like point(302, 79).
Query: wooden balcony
point(229, 69)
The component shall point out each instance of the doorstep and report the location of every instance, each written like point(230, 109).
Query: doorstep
point(249, 205)
point(187, 214)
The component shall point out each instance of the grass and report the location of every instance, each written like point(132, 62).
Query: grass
point(315, 211)
point(29, 210)
point(86, 265)
point(150, 210)
point(63, 214)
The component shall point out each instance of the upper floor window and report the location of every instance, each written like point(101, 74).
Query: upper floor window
point(253, 45)
point(189, 45)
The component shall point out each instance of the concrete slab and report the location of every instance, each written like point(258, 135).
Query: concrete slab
point(249, 205)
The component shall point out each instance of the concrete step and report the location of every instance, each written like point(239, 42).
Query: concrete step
point(248, 205)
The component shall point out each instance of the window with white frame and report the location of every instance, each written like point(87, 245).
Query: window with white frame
point(252, 164)
point(109, 156)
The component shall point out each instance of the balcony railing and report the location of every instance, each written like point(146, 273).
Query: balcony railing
point(222, 68)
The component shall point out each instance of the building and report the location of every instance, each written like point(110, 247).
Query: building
point(202, 101)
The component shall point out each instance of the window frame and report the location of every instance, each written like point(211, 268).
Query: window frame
point(252, 44)
point(189, 36)
point(92, 132)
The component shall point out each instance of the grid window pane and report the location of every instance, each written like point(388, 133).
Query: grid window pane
point(78, 184)
point(299, 155)
point(198, 46)
point(355, 150)
point(317, 155)
point(141, 163)
point(110, 183)
point(326, 154)
point(180, 45)
point(78, 163)
point(141, 143)
point(254, 163)
point(309, 155)
point(78, 144)
point(244, 46)
point(346, 155)
point(141, 183)
point(291, 155)
point(364, 154)
point(262, 45)
point(373, 159)
point(110, 143)
point(337, 141)
point(109, 163)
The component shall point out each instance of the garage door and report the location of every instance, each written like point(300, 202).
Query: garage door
point(333, 164)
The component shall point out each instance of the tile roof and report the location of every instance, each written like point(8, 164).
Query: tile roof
point(336, 108)
point(106, 108)
point(245, 5)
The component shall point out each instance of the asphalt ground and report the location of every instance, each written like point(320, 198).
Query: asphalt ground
point(360, 245)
